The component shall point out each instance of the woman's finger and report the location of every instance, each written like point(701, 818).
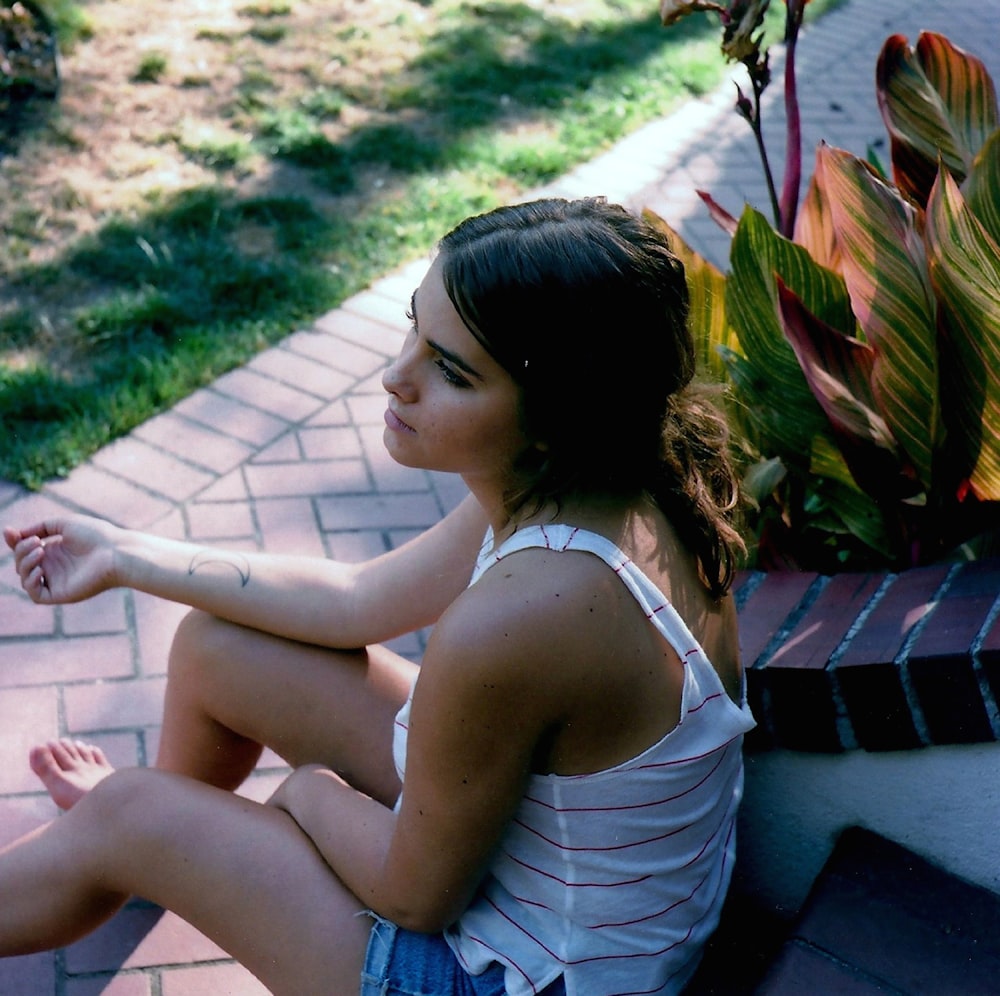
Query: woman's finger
point(28, 560)
point(35, 584)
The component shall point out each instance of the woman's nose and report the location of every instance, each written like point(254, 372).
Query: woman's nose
point(396, 377)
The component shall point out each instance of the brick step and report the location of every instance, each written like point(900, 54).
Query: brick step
point(878, 920)
point(881, 919)
point(878, 661)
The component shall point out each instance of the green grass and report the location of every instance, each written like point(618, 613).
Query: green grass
point(151, 68)
point(70, 21)
point(493, 99)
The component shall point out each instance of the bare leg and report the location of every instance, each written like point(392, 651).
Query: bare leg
point(198, 851)
point(171, 840)
point(232, 689)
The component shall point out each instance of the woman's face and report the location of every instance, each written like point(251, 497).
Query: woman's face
point(452, 407)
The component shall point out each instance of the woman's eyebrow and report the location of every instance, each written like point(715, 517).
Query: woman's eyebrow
point(451, 357)
point(454, 359)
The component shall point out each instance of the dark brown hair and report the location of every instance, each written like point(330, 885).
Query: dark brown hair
point(586, 307)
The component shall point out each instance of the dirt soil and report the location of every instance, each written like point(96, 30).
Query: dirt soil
point(154, 79)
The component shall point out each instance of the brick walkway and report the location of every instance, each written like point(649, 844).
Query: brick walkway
point(285, 454)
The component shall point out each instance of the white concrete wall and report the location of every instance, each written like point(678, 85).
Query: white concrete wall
point(941, 802)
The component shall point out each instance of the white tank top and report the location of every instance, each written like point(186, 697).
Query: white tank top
point(614, 880)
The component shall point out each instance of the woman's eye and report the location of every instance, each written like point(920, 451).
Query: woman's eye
point(449, 374)
point(456, 380)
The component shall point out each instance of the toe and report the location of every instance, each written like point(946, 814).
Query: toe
point(84, 750)
point(90, 753)
point(66, 752)
point(42, 760)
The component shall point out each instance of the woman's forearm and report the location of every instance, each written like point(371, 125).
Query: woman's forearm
point(310, 599)
point(329, 603)
point(305, 599)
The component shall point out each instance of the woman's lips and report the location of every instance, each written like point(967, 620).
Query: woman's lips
point(394, 422)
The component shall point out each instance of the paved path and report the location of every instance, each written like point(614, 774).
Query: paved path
point(285, 454)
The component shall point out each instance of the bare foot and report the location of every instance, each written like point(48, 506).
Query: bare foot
point(69, 769)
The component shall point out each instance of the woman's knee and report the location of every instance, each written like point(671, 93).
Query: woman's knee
point(199, 642)
point(117, 805)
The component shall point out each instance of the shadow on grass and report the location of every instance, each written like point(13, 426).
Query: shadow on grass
point(174, 300)
point(496, 62)
point(518, 53)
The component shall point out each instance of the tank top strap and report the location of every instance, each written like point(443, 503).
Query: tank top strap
point(562, 537)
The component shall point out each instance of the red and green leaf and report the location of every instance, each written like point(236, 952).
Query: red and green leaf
point(966, 90)
point(840, 371)
point(965, 269)
point(814, 229)
point(884, 267)
point(769, 375)
point(982, 187)
point(938, 103)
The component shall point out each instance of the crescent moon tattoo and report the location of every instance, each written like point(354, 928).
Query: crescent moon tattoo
point(236, 561)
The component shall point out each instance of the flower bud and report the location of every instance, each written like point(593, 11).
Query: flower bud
point(672, 11)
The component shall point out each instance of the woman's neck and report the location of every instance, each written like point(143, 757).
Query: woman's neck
point(610, 515)
point(599, 511)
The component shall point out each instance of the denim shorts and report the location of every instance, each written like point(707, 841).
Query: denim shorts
point(403, 963)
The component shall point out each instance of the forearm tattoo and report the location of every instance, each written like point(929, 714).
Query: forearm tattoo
point(211, 559)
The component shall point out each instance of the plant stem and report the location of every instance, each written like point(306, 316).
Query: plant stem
point(758, 134)
point(793, 124)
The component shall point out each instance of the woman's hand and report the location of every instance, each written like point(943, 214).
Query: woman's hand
point(349, 829)
point(64, 559)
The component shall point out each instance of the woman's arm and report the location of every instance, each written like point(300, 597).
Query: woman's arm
point(482, 704)
point(318, 601)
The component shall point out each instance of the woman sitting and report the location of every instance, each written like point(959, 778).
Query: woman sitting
point(547, 803)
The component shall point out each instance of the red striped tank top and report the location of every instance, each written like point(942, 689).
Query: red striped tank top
point(614, 880)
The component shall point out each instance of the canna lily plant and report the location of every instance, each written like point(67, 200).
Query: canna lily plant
point(862, 347)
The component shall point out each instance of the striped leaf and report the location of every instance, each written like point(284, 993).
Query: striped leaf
point(982, 188)
point(772, 378)
point(814, 229)
point(938, 103)
point(762, 424)
point(707, 295)
point(966, 90)
point(885, 269)
point(839, 369)
point(965, 269)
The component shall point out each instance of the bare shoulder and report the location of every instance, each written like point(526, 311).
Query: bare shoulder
point(569, 652)
point(554, 635)
point(534, 602)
